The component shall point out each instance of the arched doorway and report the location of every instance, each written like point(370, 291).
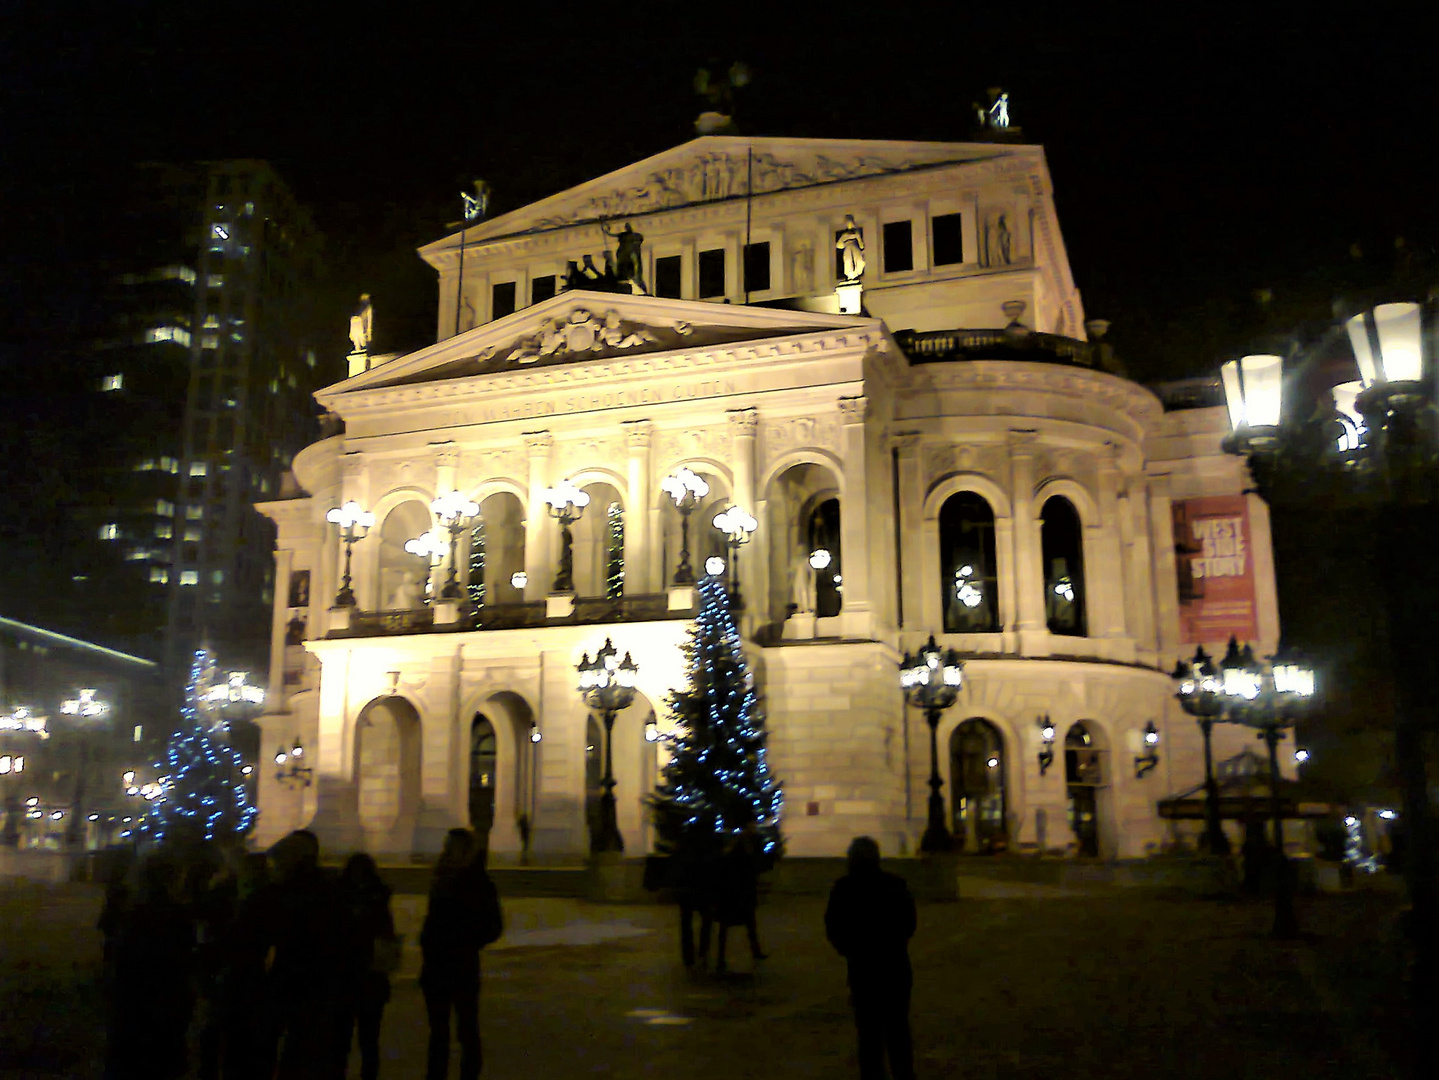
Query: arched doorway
point(387, 768)
point(1084, 776)
point(482, 774)
point(976, 795)
point(803, 512)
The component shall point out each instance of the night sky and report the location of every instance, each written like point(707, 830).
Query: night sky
point(1194, 159)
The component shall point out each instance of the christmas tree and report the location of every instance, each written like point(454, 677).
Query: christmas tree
point(717, 782)
point(203, 793)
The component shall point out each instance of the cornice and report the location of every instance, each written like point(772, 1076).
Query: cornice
point(1118, 393)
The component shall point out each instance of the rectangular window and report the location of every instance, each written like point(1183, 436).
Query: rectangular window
point(711, 273)
point(164, 530)
point(138, 733)
point(668, 276)
point(217, 576)
point(110, 531)
point(189, 577)
point(948, 239)
point(209, 341)
point(217, 281)
point(502, 299)
point(198, 468)
point(164, 508)
point(898, 247)
point(542, 288)
point(212, 322)
point(112, 382)
point(137, 555)
point(159, 575)
point(756, 267)
point(177, 334)
point(193, 534)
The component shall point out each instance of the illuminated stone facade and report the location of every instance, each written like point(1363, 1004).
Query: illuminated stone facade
point(973, 466)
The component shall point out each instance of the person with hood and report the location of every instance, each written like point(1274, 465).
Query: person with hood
point(869, 920)
point(463, 917)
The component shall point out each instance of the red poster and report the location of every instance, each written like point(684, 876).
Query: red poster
point(1214, 555)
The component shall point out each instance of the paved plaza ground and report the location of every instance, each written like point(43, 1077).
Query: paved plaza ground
point(1111, 984)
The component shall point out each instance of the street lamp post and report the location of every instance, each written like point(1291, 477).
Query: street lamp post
point(454, 512)
point(686, 488)
point(1267, 697)
point(355, 523)
point(86, 706)
point(566, 502)
point(1372, 446)
point(930, 680)
point(738, 526)
point(429, 546)
point(1198, 695)
point(607, 685)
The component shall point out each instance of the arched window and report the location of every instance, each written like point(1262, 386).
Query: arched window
point(976, 798)
point(828, 580)
point(615, 564)
point(476, 583)
point(1083, 776)
point(968, 581)
point(1061, 540)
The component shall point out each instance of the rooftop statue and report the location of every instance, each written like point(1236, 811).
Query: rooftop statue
point(629, 266)
point(476, 206)
point(362, 325)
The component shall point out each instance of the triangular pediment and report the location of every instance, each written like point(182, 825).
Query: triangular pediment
point(580, 327)
point(719, 167)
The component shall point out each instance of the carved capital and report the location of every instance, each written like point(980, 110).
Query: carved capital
point(906, 442)
point(744, 422)
point(352, 465)
point(854, 409)
point(538, 443)
point(1023, 442)
point(446, 453)
point(638, 434)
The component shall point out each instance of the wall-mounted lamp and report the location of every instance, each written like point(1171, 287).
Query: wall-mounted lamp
point(1046, 743)
point(1145, 762)
point(535, 734)
point(291, 769)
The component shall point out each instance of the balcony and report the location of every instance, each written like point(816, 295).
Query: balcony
point(589, 610)
point(935, 346)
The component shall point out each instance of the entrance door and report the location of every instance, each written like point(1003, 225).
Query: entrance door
point(482, 775)
point(976, 798)
point(1084, 775)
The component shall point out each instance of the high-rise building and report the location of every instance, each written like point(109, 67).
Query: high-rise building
point(188, 391)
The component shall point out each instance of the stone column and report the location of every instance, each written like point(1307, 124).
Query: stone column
point(1166, 575)
point(1139, 568)
point(1108, 586)
point(856, 558)
point(912, 568)
point(539, 560)
point(1031, 625)
point(447, 468)
point(744, 427)
point(638, 434)
point(279, 620)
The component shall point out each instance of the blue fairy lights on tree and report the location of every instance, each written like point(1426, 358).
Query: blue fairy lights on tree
point(718, 781)
point(204, 795)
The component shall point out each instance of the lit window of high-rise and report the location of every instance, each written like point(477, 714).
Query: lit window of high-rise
point(189, 577)
point(194, 513)
point(164, 530)
point(164, 508)
point(199, 468)
point(160, 575)
point(112, 382)
point(109, 531)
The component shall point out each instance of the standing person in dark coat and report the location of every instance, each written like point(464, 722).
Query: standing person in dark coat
point(869, 920)
point(148, 984)
point(463, 917)
point(736, 897)
point(369, 899)
point(311, 932)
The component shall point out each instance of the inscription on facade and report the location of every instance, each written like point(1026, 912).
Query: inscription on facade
point(596, 400)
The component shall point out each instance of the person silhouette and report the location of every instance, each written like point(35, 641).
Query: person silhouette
point(869, 920)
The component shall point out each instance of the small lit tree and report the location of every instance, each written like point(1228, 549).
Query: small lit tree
point(717, 781)
point(203, 794)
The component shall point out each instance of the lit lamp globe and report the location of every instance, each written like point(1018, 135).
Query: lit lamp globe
point(714, 566)
point(1253, 392)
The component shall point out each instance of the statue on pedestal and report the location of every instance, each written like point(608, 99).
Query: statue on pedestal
point(850, 244)
point(801, 593)
point(362, 325)
point(628, 264)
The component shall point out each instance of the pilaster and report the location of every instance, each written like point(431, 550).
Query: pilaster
point(638, 437)
point(539, 567)
point(1109, 587)
point(1028, 558)
point(911, 541)
point(857, 558)
point(1166, 575)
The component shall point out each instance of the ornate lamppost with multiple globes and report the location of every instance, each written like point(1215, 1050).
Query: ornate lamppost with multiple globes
point(607, 685)
point(738, 526)
point(1199, 686)
point(566, 502)
point(355, 523)
point(930, 680)
point(1269, 697)
point(1371, 447)
point(454, 511)
point(429, 546)
point(686, 488)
